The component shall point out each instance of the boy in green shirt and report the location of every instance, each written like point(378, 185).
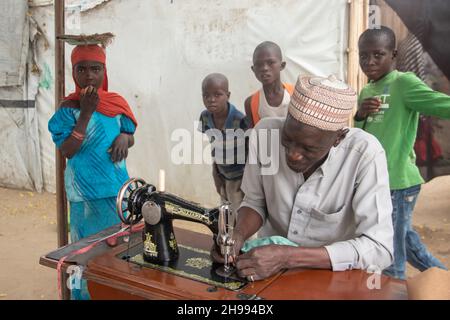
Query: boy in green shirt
point(389, 107)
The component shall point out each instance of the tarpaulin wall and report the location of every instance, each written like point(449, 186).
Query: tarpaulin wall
point(162, 51)
point(20, 159)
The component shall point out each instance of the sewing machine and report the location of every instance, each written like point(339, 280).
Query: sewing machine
point(137, 200)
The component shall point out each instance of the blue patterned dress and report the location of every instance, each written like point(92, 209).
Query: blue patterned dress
point(92, 180)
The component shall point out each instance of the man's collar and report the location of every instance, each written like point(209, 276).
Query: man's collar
point(322, 170)
point(326, 164)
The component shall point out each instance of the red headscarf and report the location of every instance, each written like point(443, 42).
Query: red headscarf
point(110, 104)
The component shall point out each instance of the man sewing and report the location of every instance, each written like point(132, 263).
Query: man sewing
point(328, 204)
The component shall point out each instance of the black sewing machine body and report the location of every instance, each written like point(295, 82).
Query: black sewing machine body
point(160, 250)
point(137, 200)
point(159, 209)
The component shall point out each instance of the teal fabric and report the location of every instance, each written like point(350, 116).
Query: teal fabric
point(88, 218)
point(251, 244)
point(81, 293)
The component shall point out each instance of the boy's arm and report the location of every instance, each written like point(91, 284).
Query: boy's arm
point(218, 180)
point(248, 111)
point(130, 140)
point(67, 131)
point(71, 145)
point(421, 98)
point(119, 148)
point(124, 141)
point(366, 107)
point(88, 105)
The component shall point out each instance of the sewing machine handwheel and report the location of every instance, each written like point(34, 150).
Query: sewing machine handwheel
point(122, 203)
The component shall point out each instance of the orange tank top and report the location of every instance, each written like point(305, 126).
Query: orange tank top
point(254, 102)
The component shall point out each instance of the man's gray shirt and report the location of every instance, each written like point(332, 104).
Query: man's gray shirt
point(345, 205)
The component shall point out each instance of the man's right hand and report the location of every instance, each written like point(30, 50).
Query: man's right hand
point(368, 106)
point(88, 100)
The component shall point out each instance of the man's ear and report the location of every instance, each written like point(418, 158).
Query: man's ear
point(283, 65)
point(341, 134)
point(253, 68)
point(228, 94)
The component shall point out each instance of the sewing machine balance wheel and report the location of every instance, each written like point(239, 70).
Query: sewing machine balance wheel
point(124, 203)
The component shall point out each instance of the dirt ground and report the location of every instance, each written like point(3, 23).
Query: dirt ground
point(28, 230)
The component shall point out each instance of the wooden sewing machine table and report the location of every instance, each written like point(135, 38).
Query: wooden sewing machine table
point(110, 277)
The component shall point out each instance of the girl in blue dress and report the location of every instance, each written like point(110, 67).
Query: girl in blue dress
point(93, 129)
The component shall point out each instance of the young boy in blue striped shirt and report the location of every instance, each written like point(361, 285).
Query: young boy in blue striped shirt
point(225, 126)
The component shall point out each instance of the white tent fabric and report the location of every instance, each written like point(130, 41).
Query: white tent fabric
point(13, 42)
point(163, 50)
point(19, 139)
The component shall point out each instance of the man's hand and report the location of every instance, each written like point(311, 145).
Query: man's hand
point(88, 101)
point(119, 148)
point(368, 106)
point(262, 262)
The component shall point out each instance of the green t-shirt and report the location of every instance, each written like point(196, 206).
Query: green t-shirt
point(403, 97)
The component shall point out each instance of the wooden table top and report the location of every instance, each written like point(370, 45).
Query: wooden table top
point(112, 278)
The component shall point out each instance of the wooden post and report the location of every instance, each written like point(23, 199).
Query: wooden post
point(358, 22)
point(362, 78)
point(61, 200)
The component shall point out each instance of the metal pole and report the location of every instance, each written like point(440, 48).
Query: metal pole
point(61, 200)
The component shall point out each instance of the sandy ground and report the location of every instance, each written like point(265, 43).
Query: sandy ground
point(28, 230)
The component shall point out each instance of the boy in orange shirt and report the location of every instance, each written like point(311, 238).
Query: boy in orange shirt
point(273, 99)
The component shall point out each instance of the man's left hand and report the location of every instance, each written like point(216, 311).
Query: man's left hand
point(262, 262)
point(119, 148)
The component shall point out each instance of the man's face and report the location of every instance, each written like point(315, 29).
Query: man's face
point(375, 58)
point(305, 146)
point(267, 65)
point(89, 73)
point(215, 96)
